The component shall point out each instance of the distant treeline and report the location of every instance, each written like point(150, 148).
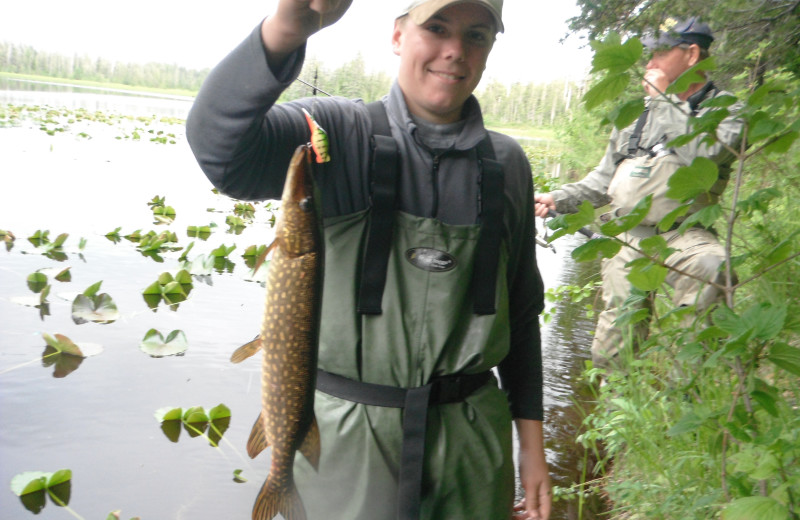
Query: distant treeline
point(532, 104)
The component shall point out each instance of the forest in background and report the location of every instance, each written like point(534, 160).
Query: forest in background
point(535, 105)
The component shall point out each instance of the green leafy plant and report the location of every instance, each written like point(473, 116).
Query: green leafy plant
point(195, 420)
point(201, 232)
point(235, 224)
point(156, 346)
point(51, 249)
point(97, 308)
point(173, 289)
point(700, 419)
point(33, 488)
point(64, 355)
point(114, 235)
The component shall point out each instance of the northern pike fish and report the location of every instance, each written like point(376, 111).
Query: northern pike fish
point(289, 341)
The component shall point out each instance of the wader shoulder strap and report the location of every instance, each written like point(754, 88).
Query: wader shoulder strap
point(487, 254)
point(383, 178)
point(694, 101)
point(383, 201)
point(636, 136)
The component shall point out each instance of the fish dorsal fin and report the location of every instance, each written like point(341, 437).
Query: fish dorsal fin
point(258, 438)
point(311, 444)
point(246, 350)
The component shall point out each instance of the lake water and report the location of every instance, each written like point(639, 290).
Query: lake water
point(89, 178)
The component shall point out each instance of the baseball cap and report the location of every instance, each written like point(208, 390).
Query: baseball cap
point(420, 11)
point(673, 32)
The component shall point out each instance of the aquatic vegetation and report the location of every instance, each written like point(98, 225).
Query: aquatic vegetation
point(8, 238)
point(195, 420)
point(156, 346)
point(33, 488)
point(244, 210)
point(172, 289)
point(90, 306)
point(64, 355)
point(51, 249)
point(201, 232)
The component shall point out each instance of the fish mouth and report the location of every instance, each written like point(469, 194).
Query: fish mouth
point(300, 189)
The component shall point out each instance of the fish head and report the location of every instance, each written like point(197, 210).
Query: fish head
point(298, 223)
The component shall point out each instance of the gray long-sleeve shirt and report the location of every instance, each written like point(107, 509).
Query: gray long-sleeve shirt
point(243, 142)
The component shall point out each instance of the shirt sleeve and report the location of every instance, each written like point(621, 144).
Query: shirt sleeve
point(227, 130)
point(521, 371)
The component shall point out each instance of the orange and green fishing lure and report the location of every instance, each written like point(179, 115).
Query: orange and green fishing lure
point(319, 139)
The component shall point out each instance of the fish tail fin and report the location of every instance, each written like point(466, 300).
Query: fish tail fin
point(258, 437)
point(311, 444)
point(246, 350)
point(272, 500)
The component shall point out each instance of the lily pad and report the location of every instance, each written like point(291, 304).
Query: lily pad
point(64, 355)
point(99, 309)
point(33, 487)
point(156, 346)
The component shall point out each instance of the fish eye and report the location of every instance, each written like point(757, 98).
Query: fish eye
point(306, 204)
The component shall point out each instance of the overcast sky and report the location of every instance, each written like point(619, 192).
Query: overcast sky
point(197, 34)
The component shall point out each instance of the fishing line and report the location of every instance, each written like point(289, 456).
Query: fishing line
point(314, 87)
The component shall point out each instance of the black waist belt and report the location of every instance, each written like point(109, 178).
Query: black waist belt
point(415, 402)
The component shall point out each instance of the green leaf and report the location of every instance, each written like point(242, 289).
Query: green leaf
point(237, 476)
point(705, 217)
point(598, 247)
point(153, 289)
point(100, 309)
point(626, 114)
point(766, 401)
point(631, 220)
point(646, 275)
point(669, 219)
point(656, 247)
point(59, 477)
point(782, 144)
point(29, 482)
point(37, 281)
point(722, 101)
point(608, 88)
point(755, 508)
point(219, 412)
point(786, 357)
point(183, 277)
point(572, 222)
point(63, 345)
point(92, 289)
point(690, 181)
point(616, 58)
point(762, 126)
point(156, 346)
point(688, 423)
point(195, 415)
point(690, 76)
point(168, 414)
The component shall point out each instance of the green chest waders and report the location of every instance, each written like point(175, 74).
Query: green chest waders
point(415, 346)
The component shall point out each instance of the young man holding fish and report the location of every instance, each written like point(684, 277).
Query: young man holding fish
point(417, 312)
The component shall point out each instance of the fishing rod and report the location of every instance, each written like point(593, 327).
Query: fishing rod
point(314, 87)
